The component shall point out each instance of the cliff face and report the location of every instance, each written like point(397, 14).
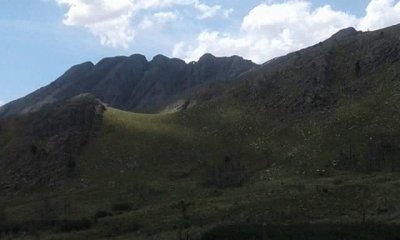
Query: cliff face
point(133, 83)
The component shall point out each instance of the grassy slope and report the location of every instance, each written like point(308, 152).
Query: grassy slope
point(155, 161)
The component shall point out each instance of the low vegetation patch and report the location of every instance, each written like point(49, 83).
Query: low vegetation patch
point(102, 214)
point(227, 174)
point(305, 232)
point(73, 225)
point(121, 207)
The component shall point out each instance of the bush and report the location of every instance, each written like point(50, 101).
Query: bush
point(228, 174)
point(10, 229)
point(102, 214)
point(357, 68)
point(240, 232)
point(305, 232)
point(337, 182)
point(117, 227)
point(121, 207)
point(3, 216)
point(71, 164)
point(127, 228)
point(74, 225)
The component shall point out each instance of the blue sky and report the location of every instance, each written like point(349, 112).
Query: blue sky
point(41, 39)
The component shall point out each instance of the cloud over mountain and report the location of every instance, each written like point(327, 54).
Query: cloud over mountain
point(379, 14)
point(115, 22)
point(268, 30)
point(273, 29)
point(109, 20)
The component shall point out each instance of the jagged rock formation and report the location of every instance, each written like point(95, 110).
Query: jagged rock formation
point(132, 83)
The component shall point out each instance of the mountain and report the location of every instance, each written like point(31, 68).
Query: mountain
point(305, 146)
point(134, 84)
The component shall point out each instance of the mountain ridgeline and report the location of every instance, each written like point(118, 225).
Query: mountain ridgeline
point(347, 67)
point(134, 84)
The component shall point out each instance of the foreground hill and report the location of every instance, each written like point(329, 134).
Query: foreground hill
point(155, 176)
point(308, 138)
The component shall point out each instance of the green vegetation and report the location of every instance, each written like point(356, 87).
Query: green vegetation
point(304, 232)
point(133, 177)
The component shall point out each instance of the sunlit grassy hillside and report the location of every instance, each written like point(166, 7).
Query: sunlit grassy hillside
point(149, 165)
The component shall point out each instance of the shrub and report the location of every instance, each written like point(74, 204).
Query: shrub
point(238, 232)
point(337, 182)
point(10, 228)
point(304, 232)
point(74, 225)
point(117, 227)
point(357, 68)
point(227, 174)
point(301, 187)
point(121, 207)
point(126, 228)
point(71, 164)
point(3, 217)
point(102, 214)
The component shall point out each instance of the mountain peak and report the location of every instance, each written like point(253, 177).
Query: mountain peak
point(345, 33)
point(85, 66)
point(206, 57)
point(138, 56)
point(160, 58)
point(110, 61)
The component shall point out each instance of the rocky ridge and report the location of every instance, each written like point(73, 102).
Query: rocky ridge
point(133, 83)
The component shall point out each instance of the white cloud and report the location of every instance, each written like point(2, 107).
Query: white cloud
point(379, 14)
point(109, 20)
point(273, 29)
point(157, 20)
point(227, 13)
point(2, 103)
point(270, 30)
point(113, 21)
point(149, 4)
point(206, 11)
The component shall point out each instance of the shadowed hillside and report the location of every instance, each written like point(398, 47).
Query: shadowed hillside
point(40, 149)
